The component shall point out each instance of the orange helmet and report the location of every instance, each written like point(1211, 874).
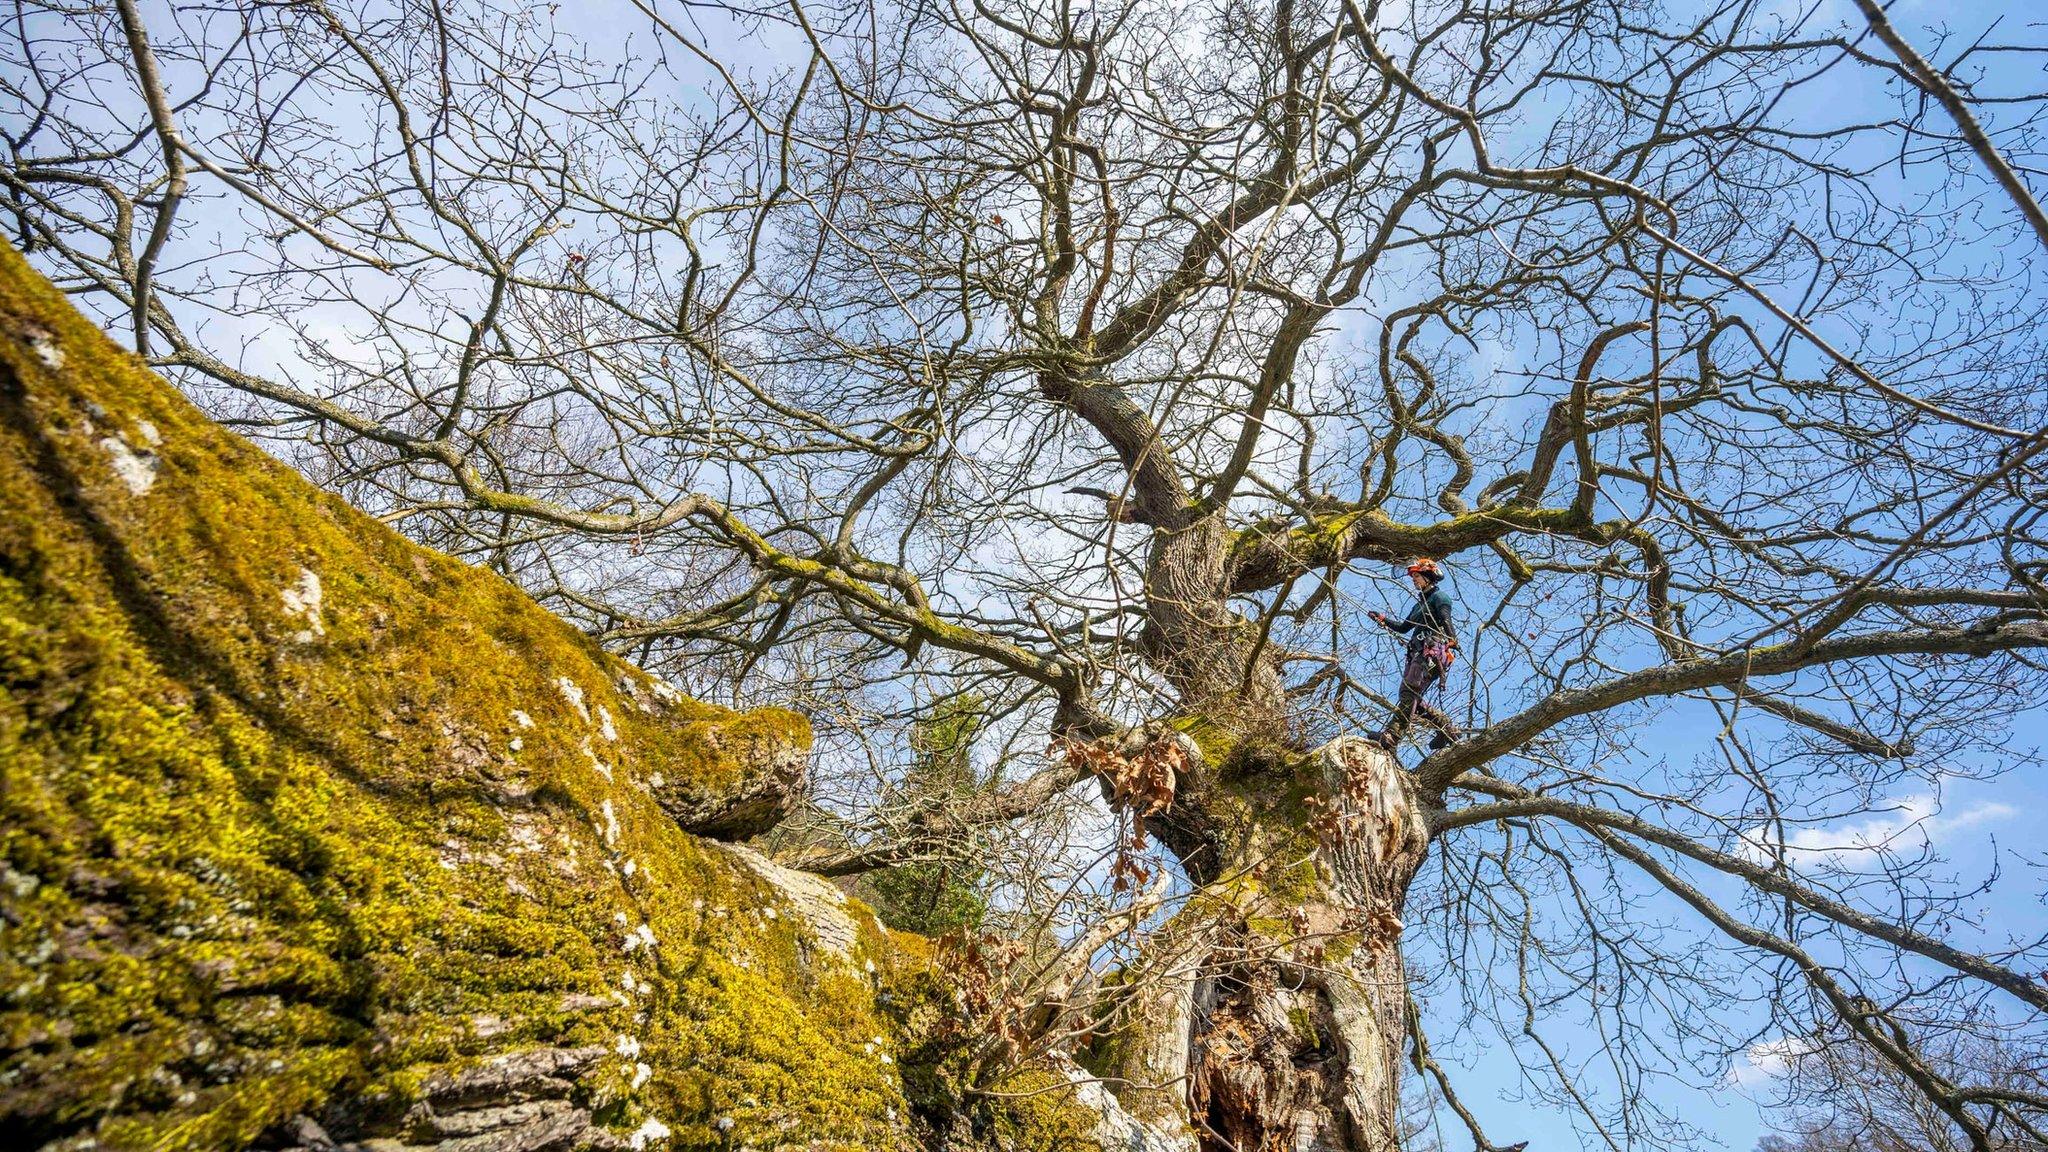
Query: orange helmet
point(1425, 566)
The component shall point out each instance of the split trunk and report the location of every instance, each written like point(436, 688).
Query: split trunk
point(1272, 1014)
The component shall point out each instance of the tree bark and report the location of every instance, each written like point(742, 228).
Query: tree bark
point(1277, 1020)
point(1208, 652)
point(1274, 1014)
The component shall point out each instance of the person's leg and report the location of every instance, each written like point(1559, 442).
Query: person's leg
point(1446, 728)
point(1415, 679)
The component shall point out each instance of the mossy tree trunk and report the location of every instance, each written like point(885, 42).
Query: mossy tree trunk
point(1284, 1028)
point(1274, 1019)
point(1281, 1024)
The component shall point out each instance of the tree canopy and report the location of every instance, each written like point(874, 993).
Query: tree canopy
point(771, 343)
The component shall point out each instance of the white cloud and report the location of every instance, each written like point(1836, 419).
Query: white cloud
point(1911, 824)
point(1767, 1060)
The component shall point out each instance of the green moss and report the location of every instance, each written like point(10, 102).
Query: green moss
point(1271, 927)
point(1038, 1111)
point(1264, 807)
point(1294, 881)
point(1215, 741)
point(261, 859)
point(1127, 1022)
point(1302, 1023)
point(1264, 817)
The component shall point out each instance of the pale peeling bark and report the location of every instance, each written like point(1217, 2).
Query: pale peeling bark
point(1153, 1081)
point(1298, 1042)
point(1371, 860)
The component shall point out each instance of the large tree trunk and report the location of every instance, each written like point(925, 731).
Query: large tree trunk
point(1279, 1016)
point(1275, 1017)
point(1212, 656)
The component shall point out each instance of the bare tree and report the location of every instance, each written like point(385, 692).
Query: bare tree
point(772, 343)
point(1843, 1098)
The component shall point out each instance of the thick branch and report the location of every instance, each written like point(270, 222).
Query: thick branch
point(1936, 85)
point(1435, 773)
point(1520, 802)
point(1158, 491)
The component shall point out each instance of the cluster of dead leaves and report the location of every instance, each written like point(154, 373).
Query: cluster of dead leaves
point(1145, 782)
point(1140, 785)
point(983, 969)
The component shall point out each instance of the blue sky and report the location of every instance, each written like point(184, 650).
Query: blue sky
point(1978, 828)
point(1978, 812)
point(1974, 816)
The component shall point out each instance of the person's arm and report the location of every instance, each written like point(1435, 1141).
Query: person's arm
point(1440, 615)
point(1393, 624)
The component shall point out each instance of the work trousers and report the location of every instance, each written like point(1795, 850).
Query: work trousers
point(1424, 668)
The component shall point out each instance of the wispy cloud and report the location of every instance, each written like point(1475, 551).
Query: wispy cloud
point(1910, 824)
point(1767, 1060)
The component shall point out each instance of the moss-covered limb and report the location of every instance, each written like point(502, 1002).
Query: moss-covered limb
point(1267, 555)
point(296, 816)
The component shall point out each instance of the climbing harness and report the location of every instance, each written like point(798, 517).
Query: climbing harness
point(1444, 652)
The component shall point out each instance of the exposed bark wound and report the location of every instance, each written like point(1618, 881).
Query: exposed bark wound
point(1271, 1069)
point(1297, 1037)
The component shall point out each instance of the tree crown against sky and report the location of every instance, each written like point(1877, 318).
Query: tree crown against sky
point(1701, 341)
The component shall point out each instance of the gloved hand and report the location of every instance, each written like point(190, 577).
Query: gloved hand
point(1377, 617)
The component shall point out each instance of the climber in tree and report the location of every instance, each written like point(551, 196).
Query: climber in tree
point(1432, 645)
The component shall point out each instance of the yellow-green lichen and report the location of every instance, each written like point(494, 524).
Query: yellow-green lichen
point(1215, 741)
point(1039, 1111)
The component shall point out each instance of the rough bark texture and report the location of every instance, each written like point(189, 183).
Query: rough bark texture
point(1274, 1015)
point(1283, 1014)
point(1205, 650)
point(1372, 855)
point(1299, 1028)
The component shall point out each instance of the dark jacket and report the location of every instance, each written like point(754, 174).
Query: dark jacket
point(1429, 620)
